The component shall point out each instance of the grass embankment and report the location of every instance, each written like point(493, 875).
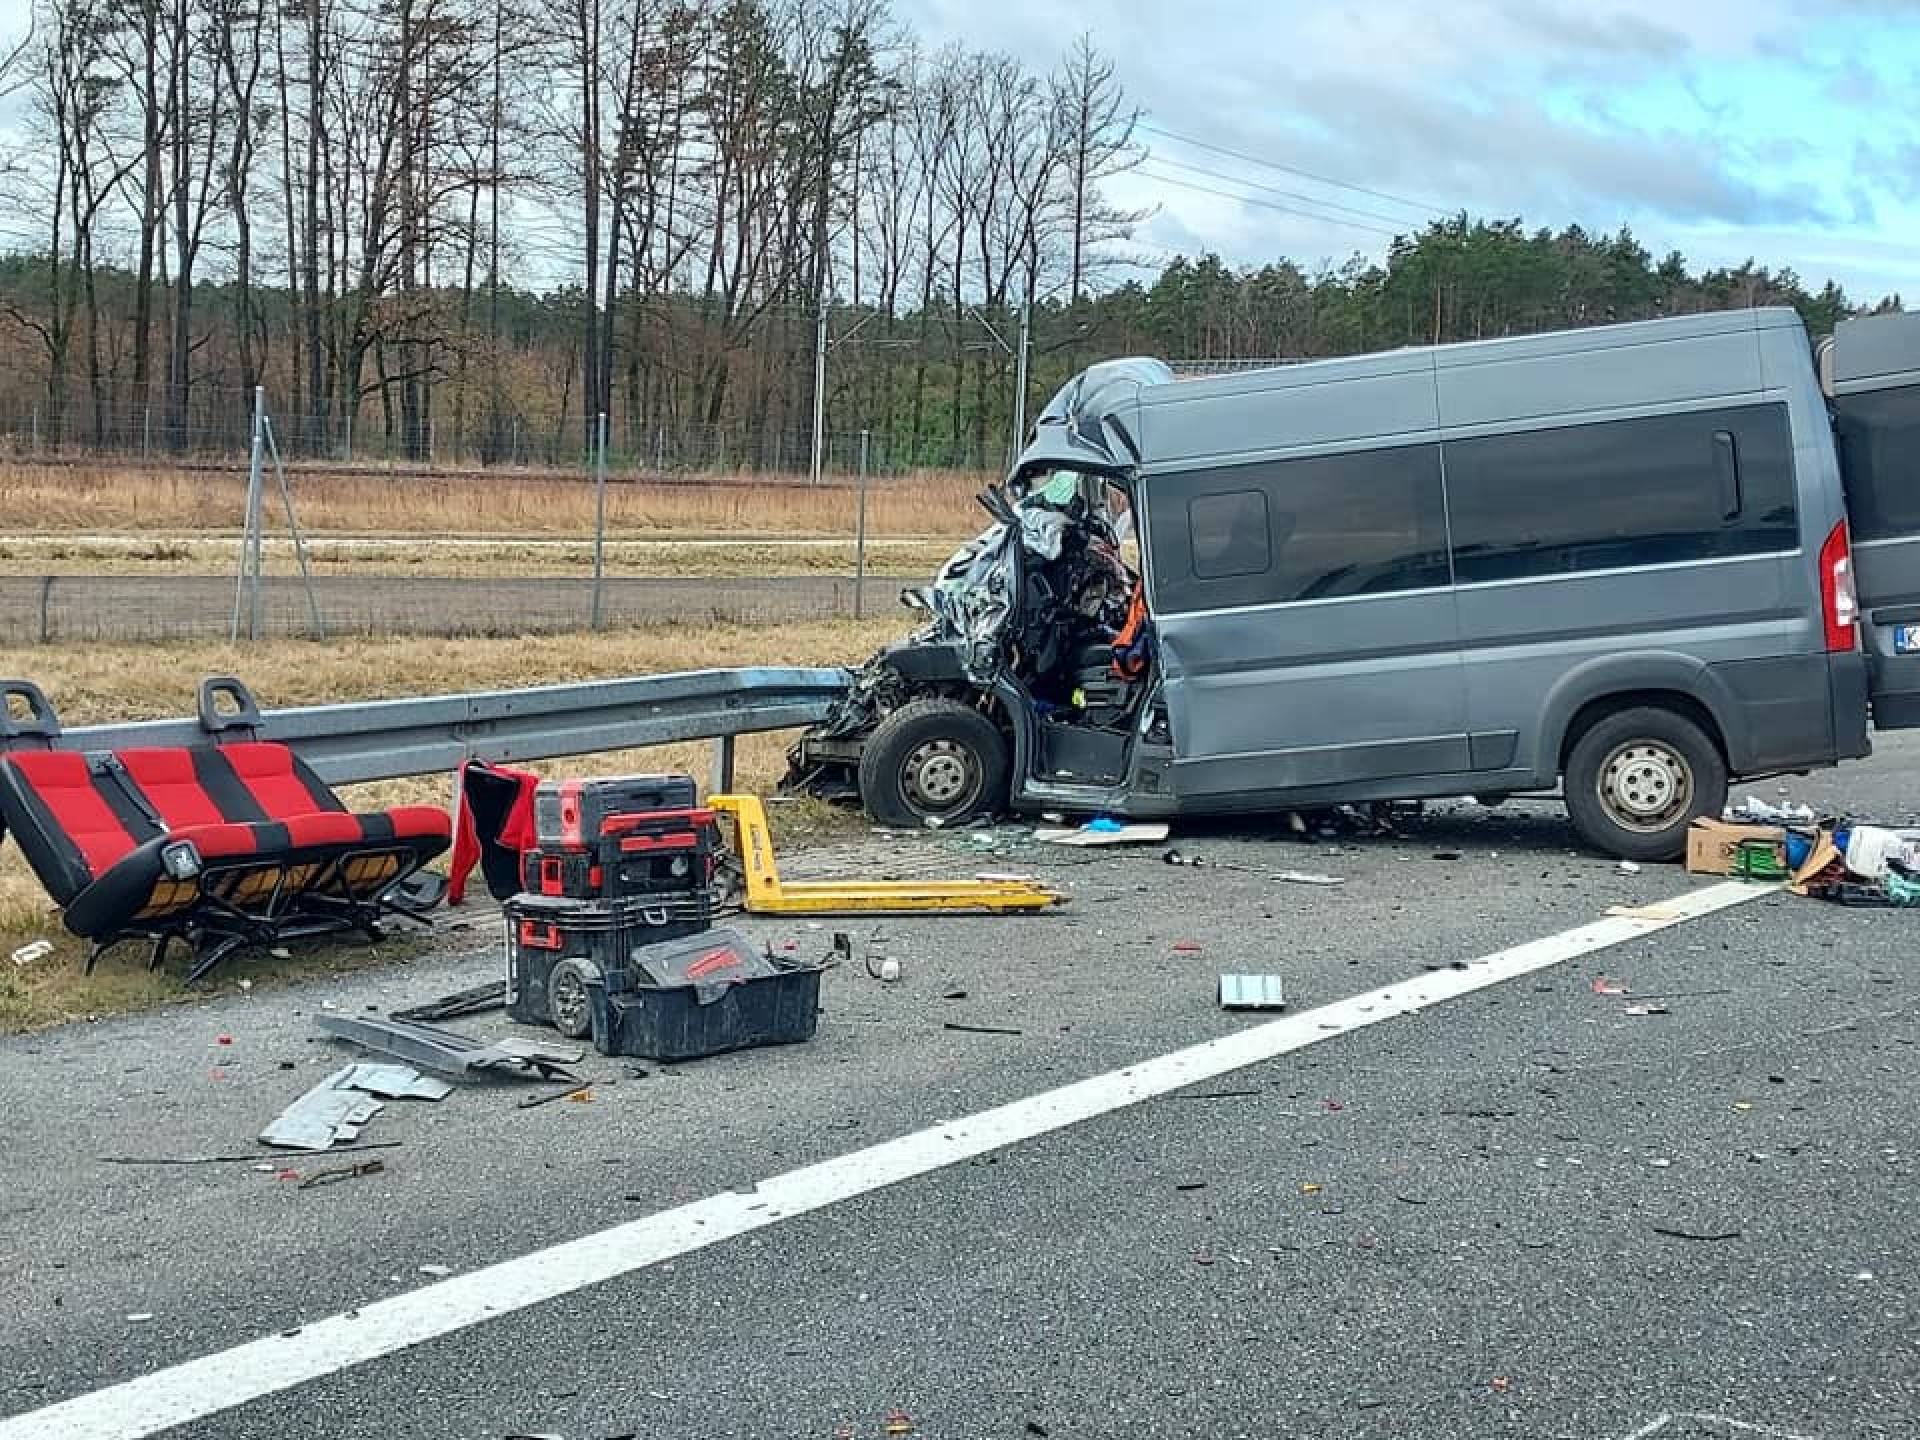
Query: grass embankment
point(130, 682)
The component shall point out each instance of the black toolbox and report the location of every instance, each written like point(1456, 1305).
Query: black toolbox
point(571, 814)
point(647, 853)
point(702, 995)
point(555, 944)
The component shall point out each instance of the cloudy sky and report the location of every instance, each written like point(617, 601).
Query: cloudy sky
point(1782, 129)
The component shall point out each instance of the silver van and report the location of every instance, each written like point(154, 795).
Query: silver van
point(1613, 562)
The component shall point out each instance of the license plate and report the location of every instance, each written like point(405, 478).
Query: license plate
point(1906, 639)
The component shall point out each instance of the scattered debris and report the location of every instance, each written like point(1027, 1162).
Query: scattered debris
point(33, 950)
point(1215, 1094)
point(1659, 914)
point(449, 1051)
point(343, 1172)
point(1755, 811)
point(461, 1002)
point(1500, 1384)
point(1675, 1234)
point(1307, 877)
point(438, 1272)
point(339, 1106)
point(1190, 1185)
point(981, 1029)
point(1628, 867)
point(1251, 992)
point(1603, 986)
point(954, 995)
point(583, 1090)
point(898, 1422)
point(1186, 947)
point(1446, 855)
point(233, 1159)
point(1104, 831)
point(1643, 1010)
point(140, 1317)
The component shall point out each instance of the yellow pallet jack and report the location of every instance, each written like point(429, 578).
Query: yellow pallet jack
point(767, 894)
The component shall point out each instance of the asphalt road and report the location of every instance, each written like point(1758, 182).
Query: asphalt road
point(1523, 1212)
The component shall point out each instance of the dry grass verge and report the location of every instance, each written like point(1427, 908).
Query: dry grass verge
point(130, 682)
point(114, 499)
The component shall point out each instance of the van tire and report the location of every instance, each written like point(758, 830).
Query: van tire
point(1636, 779)
point(934, 761)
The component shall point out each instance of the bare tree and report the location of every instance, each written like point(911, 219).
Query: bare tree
point(1096, 125)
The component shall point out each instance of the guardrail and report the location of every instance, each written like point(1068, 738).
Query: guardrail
point(384, 739)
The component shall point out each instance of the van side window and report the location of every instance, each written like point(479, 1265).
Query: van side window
point(1365, 522)
point(1230, 534)
point(1659, 490)
point(1879, 433)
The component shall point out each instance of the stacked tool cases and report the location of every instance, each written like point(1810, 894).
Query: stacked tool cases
point(616, 863)
point(612, 934)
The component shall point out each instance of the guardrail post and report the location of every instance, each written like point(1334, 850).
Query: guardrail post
point(722, 778)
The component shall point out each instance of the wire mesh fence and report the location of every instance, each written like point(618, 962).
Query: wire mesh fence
point(94, 609)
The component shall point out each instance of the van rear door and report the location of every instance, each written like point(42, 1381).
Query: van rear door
point(1872, 374)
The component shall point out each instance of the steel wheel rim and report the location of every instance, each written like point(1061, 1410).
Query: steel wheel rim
point(941, 776)
point(1645, 785)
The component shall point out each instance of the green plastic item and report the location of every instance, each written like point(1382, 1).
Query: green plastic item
point(1758, 860)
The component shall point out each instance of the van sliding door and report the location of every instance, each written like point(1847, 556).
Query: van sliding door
point(1307, 633)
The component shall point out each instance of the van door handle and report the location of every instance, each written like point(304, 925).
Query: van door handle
point(1726, 469)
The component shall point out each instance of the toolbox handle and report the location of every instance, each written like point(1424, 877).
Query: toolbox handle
point(537, 936)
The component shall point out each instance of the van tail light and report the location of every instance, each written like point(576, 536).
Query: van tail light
point(1839, 602)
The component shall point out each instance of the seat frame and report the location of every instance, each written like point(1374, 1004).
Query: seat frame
point(215, 923)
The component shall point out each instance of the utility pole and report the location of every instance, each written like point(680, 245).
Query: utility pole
point(1020, 375)
point(819, 387)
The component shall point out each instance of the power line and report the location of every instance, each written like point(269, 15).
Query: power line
point(1274, 190)
point(1294, 170)
point(1275, 205)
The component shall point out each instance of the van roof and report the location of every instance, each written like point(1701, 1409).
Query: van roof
point(1470, 352)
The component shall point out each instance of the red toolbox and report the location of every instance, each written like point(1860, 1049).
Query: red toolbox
point(570, 814)
point(634, 855)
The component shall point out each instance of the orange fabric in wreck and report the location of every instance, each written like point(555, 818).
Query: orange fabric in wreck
point(1127, 664)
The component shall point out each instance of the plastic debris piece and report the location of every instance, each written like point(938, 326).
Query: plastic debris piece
point(1628, 867)
point(33, 950)
point(1446, 855)
point(1500, 1384)
point(1104, 832)
point(140, 1316)
point(1643, 1010)
point(889, 970)
point(898, 1422)
point(1743, 1105)
point(1307, 877)
point(1603, 986)
point(1309, 1187)
point(980, 1029)
point(1186, 947)
point(438, 1272)
point(1251, 992)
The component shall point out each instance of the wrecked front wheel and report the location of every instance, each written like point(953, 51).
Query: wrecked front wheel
point(933, 760)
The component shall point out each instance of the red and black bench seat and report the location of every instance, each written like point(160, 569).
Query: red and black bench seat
point(228, 843)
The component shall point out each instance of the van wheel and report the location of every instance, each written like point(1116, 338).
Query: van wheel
point(933, 760)
point(1635, 781)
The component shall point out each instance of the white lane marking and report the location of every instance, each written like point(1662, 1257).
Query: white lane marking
point(1743, 1427)
point(194, 1389)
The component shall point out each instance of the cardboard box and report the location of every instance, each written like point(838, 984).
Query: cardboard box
point(1711, 844)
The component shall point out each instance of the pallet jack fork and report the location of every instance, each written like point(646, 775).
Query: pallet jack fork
point(767, 894)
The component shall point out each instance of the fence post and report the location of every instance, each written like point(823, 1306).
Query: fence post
point(346, 425)
point(46, 605)
point(247, 588)
point(721, 781)
point(599, 515)
point(860, 531)
point(36, 430)
point(146, 432)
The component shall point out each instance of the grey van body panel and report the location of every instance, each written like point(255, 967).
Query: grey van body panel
point(1474, 686)
point(1881, 353)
